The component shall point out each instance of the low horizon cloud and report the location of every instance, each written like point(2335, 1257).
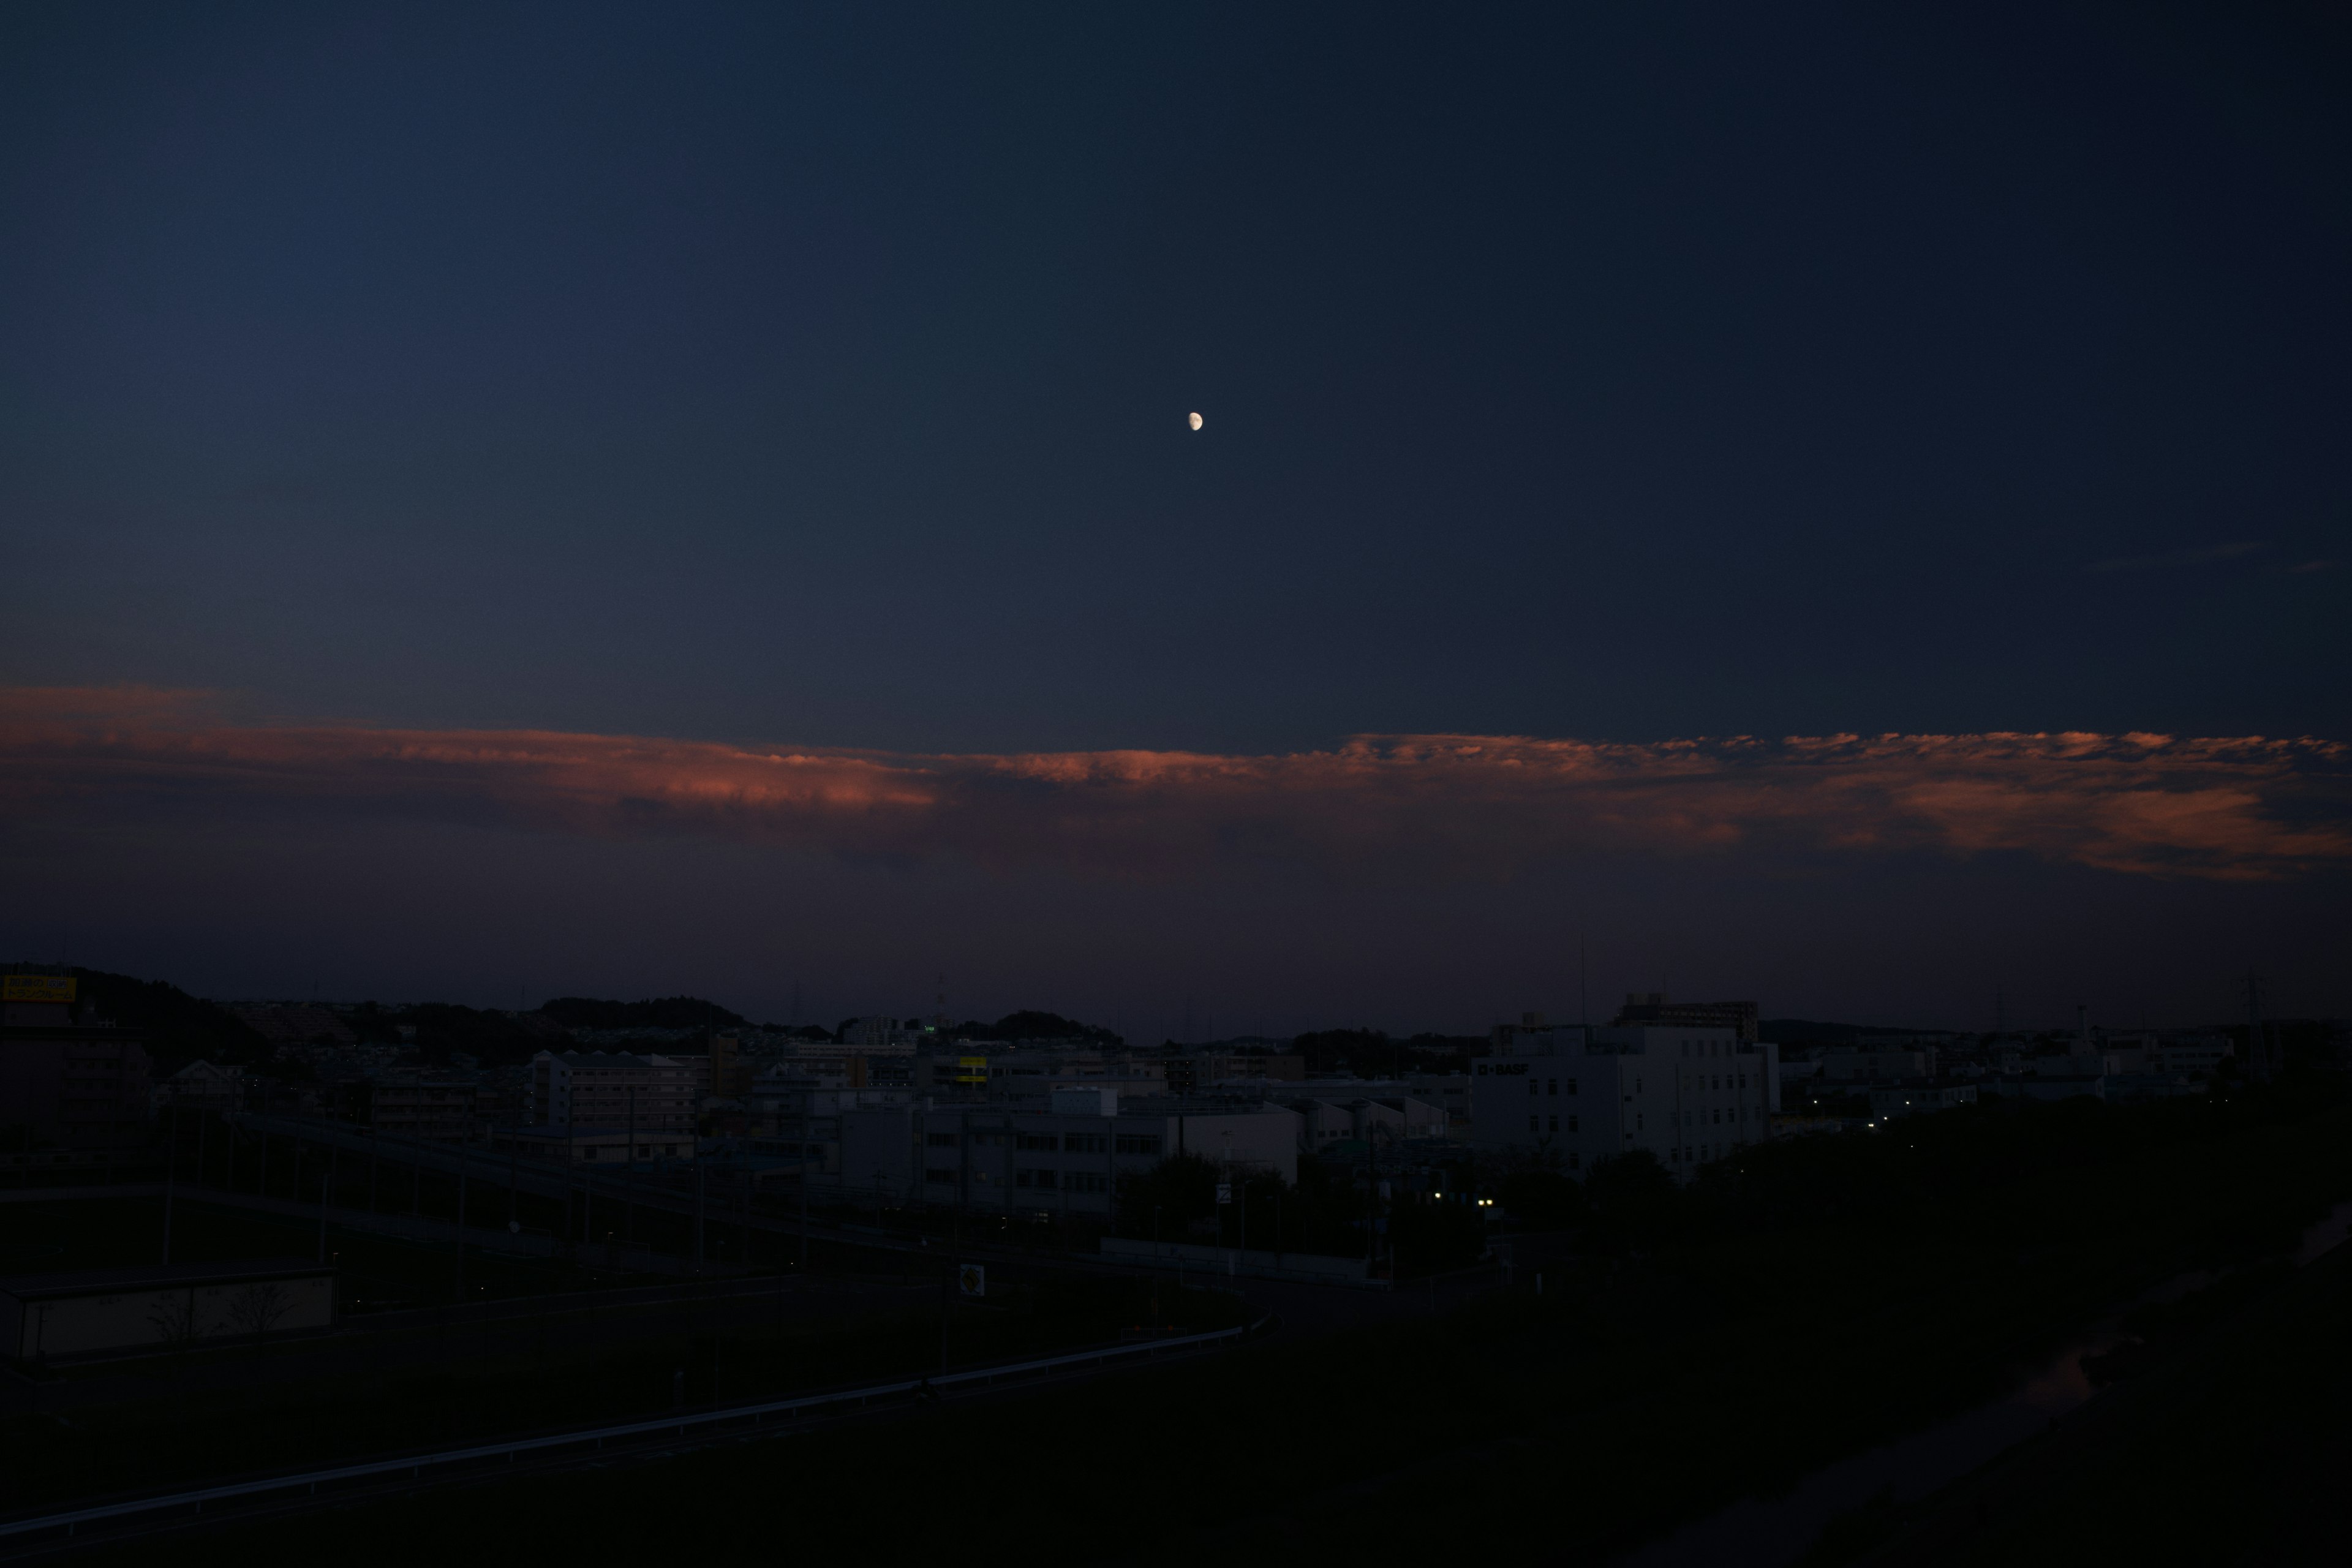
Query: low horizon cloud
point(2239, 810)
point(2176, 557)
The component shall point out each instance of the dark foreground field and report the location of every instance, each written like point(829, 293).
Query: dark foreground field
point(1825, 1295)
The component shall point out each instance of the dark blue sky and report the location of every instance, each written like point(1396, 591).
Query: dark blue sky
point(818, 375)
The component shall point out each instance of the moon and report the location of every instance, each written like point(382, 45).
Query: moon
point(1193, 420)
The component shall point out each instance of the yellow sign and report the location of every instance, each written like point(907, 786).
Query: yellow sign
point(971, 1069)
point(36, 987)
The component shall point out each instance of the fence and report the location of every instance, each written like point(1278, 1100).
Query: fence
point(414, 1465)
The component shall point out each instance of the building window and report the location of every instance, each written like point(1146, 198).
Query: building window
point(1637, 1121)
point(945, 1178)
point(1531, 1086)
point(1535, 1123)
point(1033, 1178)
point(1555, 1124)
point(1552, 1086)
point(939, 1139)
point(1571, 1124)
point(1082, 1143)
point(1138, 1143)
point(1084, 1181)
point(1571, 1086)
point(1045, 1141)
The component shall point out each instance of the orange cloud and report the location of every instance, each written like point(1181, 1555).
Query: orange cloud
point(2244, 809)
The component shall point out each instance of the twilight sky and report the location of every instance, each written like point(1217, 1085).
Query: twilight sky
point(1819, 502)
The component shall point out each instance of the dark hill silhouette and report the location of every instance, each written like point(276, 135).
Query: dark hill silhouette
point(179, 1027)
point(660, 1012)
point(1032, 1025)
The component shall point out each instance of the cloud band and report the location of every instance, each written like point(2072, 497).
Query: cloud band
point(2244, 809)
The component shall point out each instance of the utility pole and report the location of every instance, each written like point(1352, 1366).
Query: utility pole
point(170, 1160)
point(698, 1181)
point(326, 1183)
point(2258, 1055)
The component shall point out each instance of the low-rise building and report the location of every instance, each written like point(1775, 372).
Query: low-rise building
point(202, 1085)
point(1066, 1155)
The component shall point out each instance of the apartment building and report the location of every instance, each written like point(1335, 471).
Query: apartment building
point(448, 1109)
point(615, 1089)
point(1687, 1094)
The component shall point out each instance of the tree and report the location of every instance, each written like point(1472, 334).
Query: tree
point(1635, 1201)
point(259, 1308)
point(1183, 1188)
point(1542, 1200)
point(175, 1318)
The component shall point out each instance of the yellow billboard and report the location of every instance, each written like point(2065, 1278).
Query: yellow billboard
point(36, 987)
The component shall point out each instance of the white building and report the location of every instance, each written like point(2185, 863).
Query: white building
point(1686, 1094)
point(1329, 1120)
point(1066, 1155)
